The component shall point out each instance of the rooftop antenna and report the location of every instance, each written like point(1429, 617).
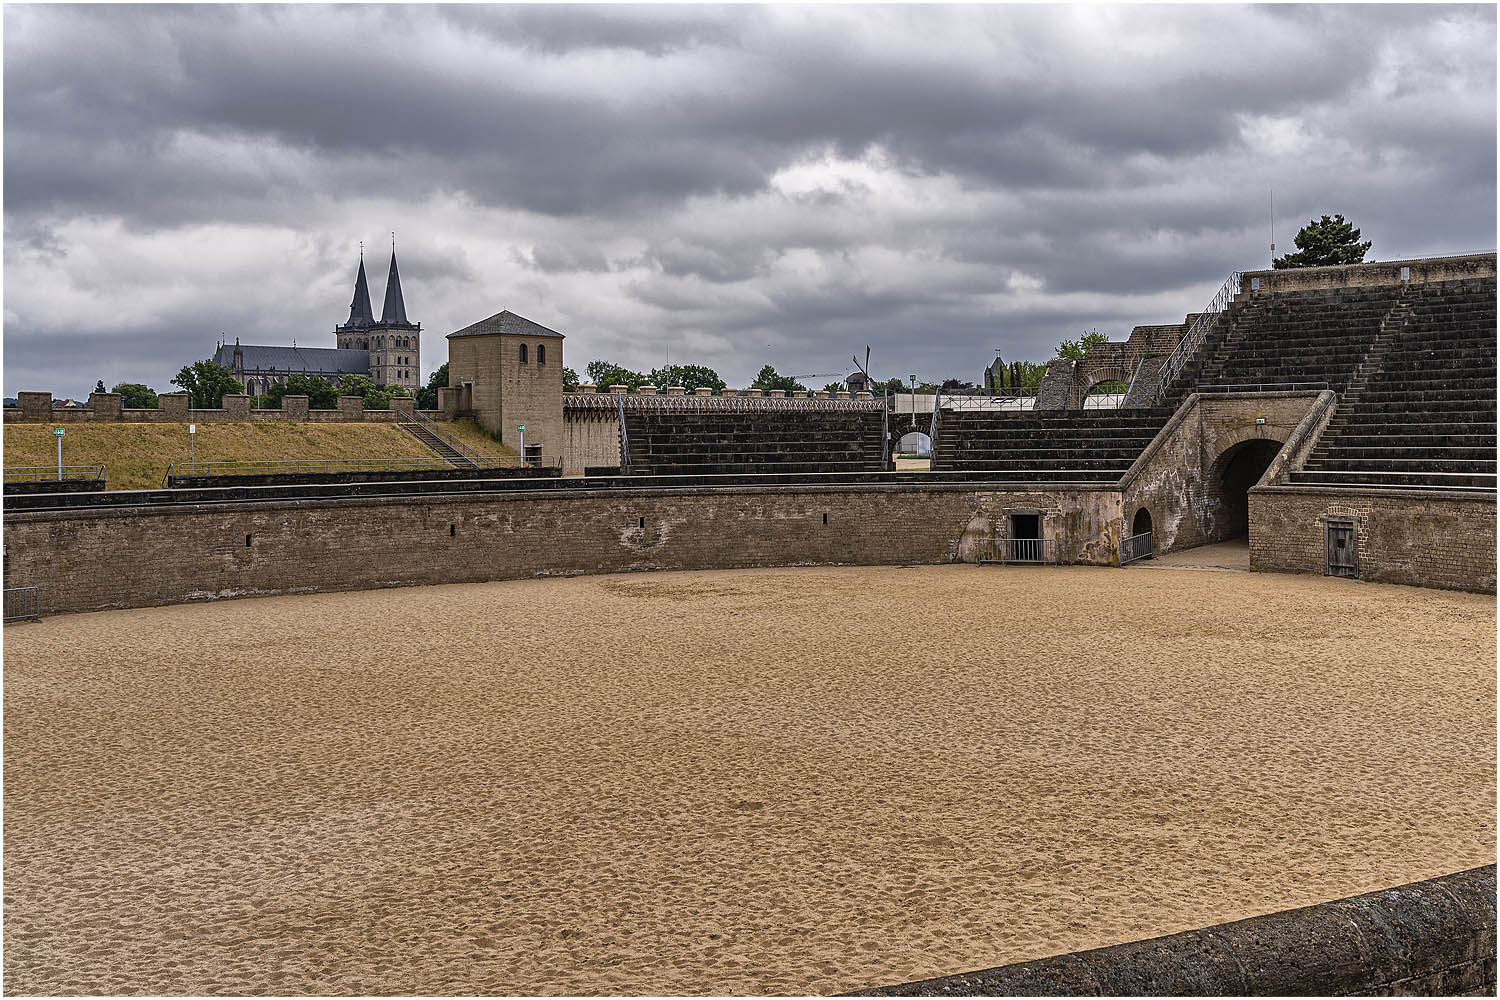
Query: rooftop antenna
point(361, 249)
point(1273, 227)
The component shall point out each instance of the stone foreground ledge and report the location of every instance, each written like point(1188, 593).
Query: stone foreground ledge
point(1432, 938)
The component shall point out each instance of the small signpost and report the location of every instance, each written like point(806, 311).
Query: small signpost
point(192, 443)
point(57, 432)
point(522, 429)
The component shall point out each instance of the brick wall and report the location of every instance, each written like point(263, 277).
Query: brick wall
point(140, 557)
point(1358, 275)
point(172, 408)
point(1178, 478)
point(1416, 537)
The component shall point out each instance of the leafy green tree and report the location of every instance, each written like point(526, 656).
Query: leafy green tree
point(768, 379)
point(605, 374)
point(1076, 349)
point(1327, 241)
point(321, 394)
point(356, 385)
point(207, 384)
point(427, 395)
point(136, 396)
point(570, 381)
point(841, 387)
point(690, 377)
point(380, 399)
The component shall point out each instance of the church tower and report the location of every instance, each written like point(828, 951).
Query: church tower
point(394, 342)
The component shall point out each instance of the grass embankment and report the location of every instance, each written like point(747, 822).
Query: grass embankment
point(138, 454)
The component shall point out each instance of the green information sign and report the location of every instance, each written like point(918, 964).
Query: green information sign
point(58, 431)
point(519, 427)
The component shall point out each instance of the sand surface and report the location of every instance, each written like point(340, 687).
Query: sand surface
point(796, 781)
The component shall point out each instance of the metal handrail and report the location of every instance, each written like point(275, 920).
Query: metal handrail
point(328, 465)
point(1262, 386)
point(1197, 333)
point(624, 434)
point(42, 473)
point(430, 426)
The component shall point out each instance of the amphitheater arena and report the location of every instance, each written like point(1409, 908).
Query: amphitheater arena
point(1225, 708)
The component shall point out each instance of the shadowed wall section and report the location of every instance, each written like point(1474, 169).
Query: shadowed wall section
point(1432, 938)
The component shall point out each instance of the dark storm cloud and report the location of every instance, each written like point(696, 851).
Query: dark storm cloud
point(756, 183)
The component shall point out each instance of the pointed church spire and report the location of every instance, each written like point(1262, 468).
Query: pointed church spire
point(394, 312)
point(359, 310)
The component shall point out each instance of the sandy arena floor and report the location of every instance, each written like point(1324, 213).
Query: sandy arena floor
point(796, 781)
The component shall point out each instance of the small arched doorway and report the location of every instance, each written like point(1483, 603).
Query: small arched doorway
point(914, 443)
point(1141, 523)
point(1238, 469)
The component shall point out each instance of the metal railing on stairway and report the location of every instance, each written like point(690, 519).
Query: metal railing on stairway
point(470, 457)
point(1197, 334)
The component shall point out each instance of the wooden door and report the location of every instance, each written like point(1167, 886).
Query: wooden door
point(1342, 549)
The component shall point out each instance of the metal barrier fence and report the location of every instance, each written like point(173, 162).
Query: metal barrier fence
point(1018, 550)
point(1133, 547)
point(42, 473)
point(22, 603)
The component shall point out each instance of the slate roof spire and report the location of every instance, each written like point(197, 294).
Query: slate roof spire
point(359, 309)
point(394, 313)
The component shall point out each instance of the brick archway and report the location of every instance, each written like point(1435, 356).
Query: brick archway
point(1244, 456)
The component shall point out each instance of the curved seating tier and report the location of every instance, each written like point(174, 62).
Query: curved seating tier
point(792, 441)
point(1425, 417)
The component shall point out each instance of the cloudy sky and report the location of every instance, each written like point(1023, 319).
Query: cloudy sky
point(735, 185)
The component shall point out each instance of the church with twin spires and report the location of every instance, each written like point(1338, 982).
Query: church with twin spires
point(388, 351)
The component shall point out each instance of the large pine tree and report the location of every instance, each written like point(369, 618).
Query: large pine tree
point(1329, 241)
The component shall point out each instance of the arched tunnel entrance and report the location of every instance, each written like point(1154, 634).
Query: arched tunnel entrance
point(1142, 522)
point(1235, 472)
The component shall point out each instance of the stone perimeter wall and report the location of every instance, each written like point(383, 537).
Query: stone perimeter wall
point(1431, 938)
point(172, 408)
point(1423, 538)
point(139, 557)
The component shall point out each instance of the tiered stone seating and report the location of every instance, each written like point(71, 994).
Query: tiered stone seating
point(1426, 416)
point(1306, 337)
point(1074, 446)
point(736, 443)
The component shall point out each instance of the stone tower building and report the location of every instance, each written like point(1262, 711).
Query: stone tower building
point(509, 372)
point(394, 343)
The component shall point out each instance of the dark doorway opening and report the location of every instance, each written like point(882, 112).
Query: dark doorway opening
point(1142, 522)
point(1239, 469)
point(1025, 526)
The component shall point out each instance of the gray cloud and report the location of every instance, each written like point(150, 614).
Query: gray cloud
point(741, 184)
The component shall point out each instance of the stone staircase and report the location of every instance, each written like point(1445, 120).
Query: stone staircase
point(1420, 411)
